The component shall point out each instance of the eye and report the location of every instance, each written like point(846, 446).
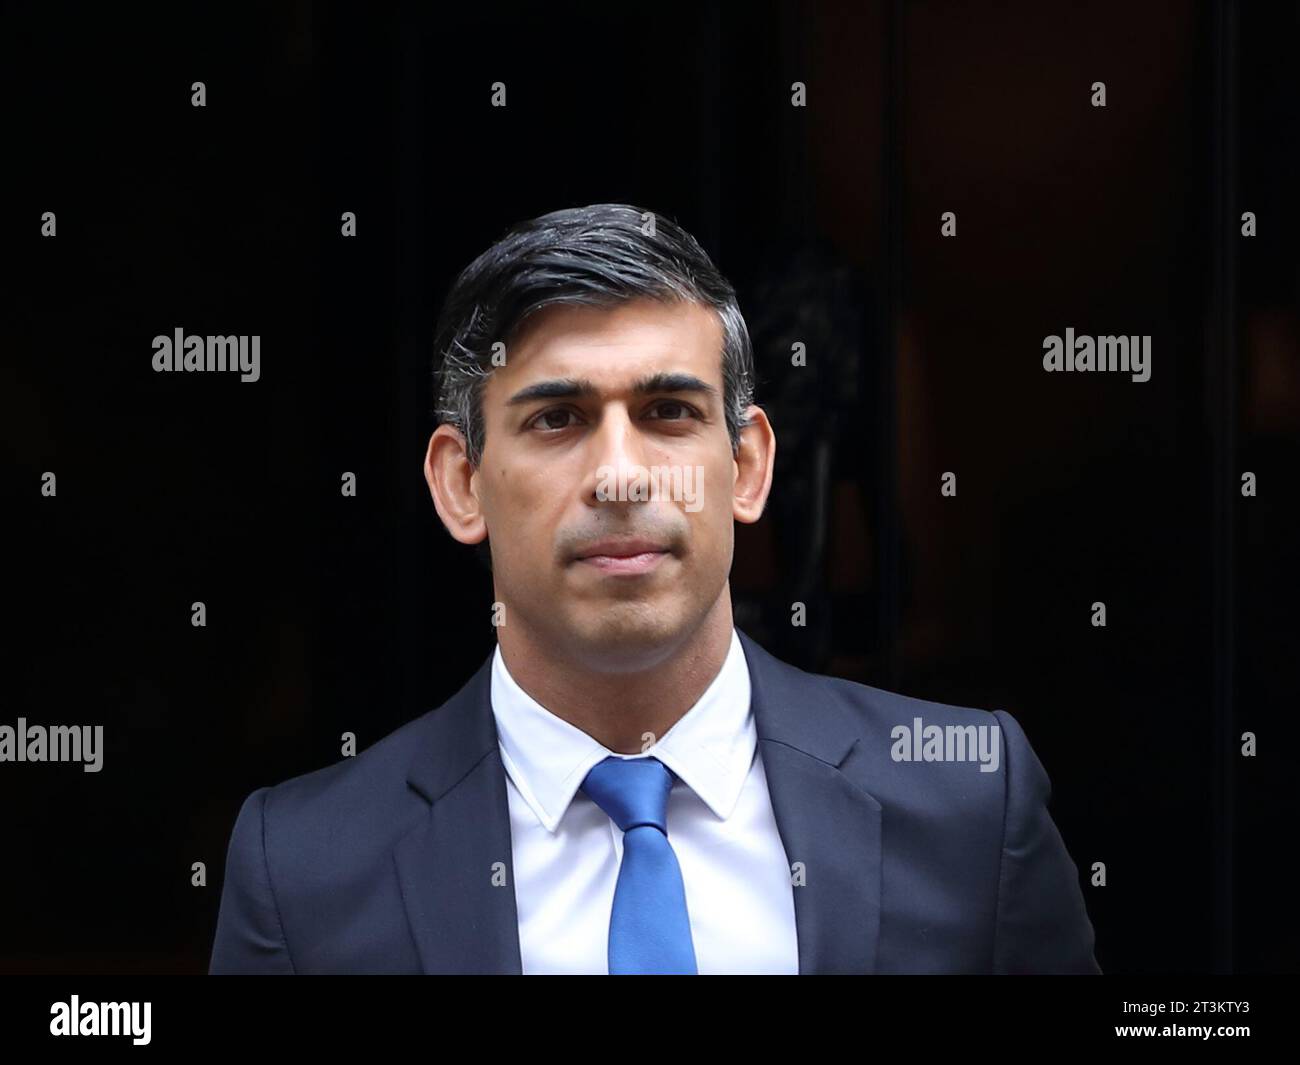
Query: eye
point(675, 404)
point(544, 419)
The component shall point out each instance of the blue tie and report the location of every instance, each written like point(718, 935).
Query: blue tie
point(649, 931)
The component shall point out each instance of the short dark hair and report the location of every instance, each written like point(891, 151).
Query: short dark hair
point(600, 255)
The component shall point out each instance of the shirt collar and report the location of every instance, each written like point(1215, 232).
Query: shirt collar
point(711, 747)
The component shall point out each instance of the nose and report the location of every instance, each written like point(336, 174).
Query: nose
point(617, 450)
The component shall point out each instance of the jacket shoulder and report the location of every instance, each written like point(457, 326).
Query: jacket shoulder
point(879, 706)
point(348, 815)
point(942, 762)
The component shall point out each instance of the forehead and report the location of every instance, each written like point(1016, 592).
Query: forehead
point(611, 346)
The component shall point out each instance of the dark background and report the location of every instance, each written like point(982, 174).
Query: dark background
point(328, 614)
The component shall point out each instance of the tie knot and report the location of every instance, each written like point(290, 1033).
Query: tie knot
point(632, 791)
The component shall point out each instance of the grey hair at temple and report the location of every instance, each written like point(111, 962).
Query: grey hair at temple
point(600, 255)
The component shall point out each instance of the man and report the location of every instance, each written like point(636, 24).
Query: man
point(628, 784)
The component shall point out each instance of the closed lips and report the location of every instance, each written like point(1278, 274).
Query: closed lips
point(622, 549)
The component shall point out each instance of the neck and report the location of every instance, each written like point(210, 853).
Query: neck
point(624, 711)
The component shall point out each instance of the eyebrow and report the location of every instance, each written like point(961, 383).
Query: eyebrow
point(581, 388)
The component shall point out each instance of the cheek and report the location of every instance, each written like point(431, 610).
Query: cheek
point(527, 515)
point(720, 494)
point(711, 525)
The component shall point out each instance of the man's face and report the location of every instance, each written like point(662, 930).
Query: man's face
point(610, 568)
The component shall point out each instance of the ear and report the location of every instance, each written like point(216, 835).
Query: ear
point(450, 475)
point(755, 459)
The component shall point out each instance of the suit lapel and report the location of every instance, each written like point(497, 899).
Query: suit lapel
point(450, 864)
point(830, 826)
point(454, 867)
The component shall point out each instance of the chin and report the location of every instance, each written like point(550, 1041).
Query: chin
point(623, 636)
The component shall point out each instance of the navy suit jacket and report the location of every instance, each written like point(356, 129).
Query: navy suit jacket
point(399, 860)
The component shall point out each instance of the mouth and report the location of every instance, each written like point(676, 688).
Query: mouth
point(627, 557)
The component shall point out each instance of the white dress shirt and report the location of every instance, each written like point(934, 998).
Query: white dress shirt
point(566, 850)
